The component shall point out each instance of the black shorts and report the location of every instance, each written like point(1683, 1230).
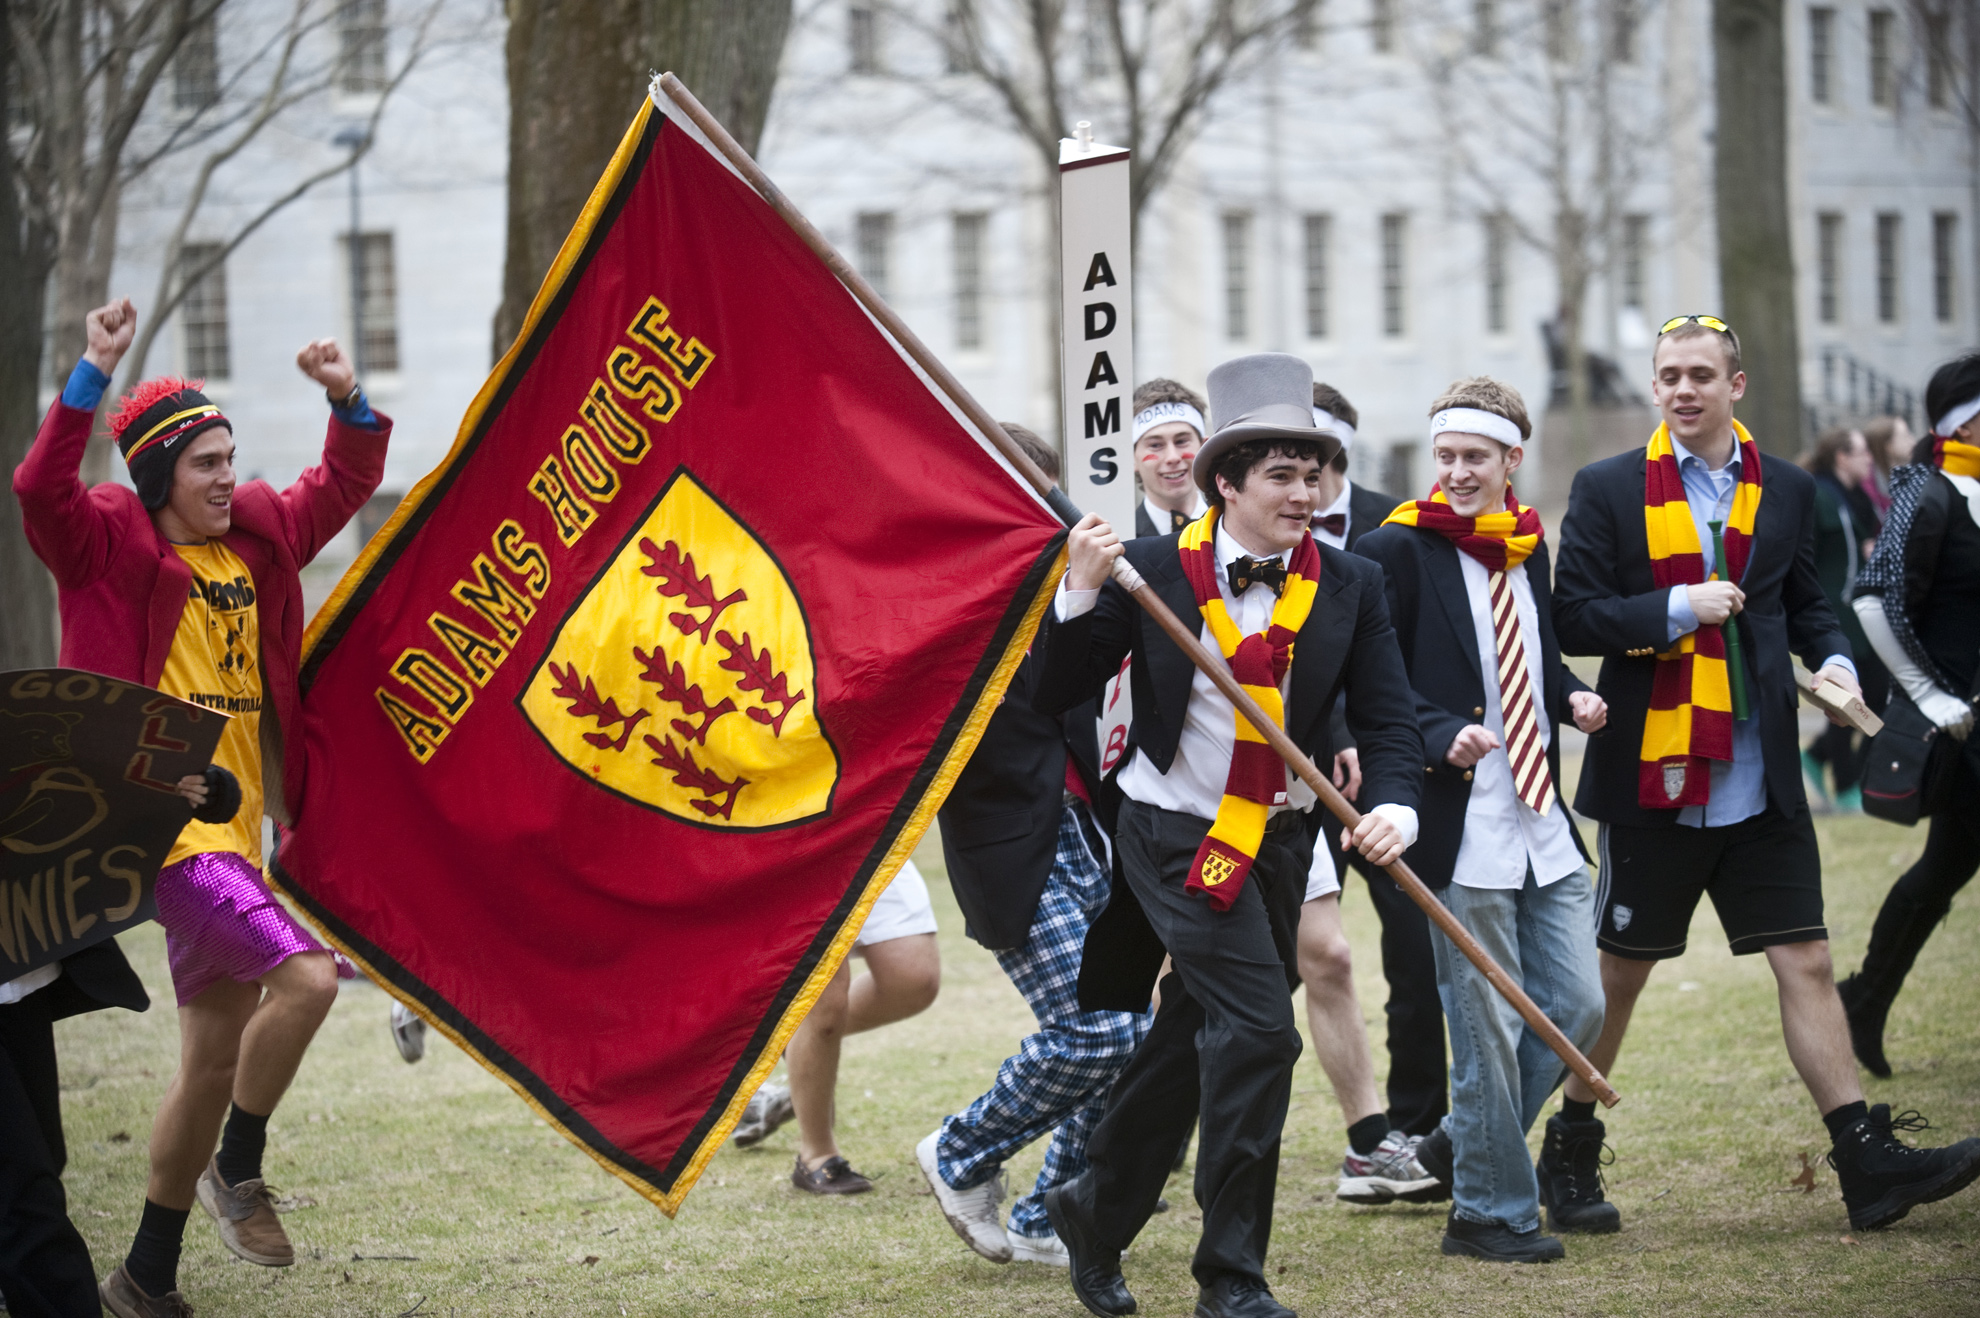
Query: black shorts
point(1764, 875)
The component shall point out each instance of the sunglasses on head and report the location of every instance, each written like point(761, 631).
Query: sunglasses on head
point(1709, 322)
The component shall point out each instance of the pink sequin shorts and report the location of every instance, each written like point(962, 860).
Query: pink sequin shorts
point(221, 922)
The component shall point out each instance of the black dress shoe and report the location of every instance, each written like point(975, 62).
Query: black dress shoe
point(1233, 1296)
point(1499, 1244)
point(1434, 1155)
point(1570, 1174)
point(1883, 1178)
point(1866, 1016)
point(1096, 1270)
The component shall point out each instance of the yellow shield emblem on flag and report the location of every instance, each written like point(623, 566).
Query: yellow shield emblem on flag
point(684, 679)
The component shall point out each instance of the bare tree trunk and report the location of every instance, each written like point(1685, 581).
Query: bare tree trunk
point(1571, 270)
point(27, 632)
point(1756, 257)
point(563, 126)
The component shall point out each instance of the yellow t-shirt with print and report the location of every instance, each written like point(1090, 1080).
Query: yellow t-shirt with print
point(215, 661)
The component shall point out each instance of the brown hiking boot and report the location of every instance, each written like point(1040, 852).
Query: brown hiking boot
point(246, 1214)
point(121, 1296)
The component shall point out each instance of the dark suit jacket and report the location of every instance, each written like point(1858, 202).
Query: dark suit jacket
point(1367, 509)
point(1607, 603)
point(1346, 645)
point(92, 979)
point(1432, 612)
point(1000, 824)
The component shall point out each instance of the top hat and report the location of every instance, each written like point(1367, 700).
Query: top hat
point(1267, 395)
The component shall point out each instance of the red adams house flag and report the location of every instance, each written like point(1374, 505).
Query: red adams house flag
point(622, 722)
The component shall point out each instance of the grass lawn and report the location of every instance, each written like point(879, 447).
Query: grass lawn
point(431, 1189)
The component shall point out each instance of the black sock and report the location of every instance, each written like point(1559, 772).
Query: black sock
point(1574, 1110)
point(1367, 1134)
point(241, 1144)
point(1842, 1118)
point(154, 1258)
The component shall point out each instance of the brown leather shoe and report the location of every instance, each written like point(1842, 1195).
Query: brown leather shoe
point(121, 1296)
point(246, 1214)
point(836, 1176)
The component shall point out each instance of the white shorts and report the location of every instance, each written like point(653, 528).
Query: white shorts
point(1323, 876)
point(903, 909)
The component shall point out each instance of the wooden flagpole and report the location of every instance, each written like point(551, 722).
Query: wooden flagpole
point(1131, 581)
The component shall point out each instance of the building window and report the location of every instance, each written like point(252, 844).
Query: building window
point(1635, 259)
point(1821, 54)
point(1382, 25)
point(1938, 58)
point(955, 40)
point(1889, 230)
point(1497, 256)
point(203, 311)
point(1883, 30)
point(1485, 27)
point(1306, 25)
point(375, 290)
point(1559, 17)
point(873, 247)
point(1945, 231)
point(1828, 268)
point(196, 67)
point(1622, 31)
point(361, 46)
point(1394, 275)
point(968, 234)
point(1319, 248)
point(1237, 274)
point(1095, 44)
point(863, 39)
point(1399, 468)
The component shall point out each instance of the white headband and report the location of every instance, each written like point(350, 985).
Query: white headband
point(1158, 414)
point(1956, 418)
point(1472, 421)
point(1328, 421)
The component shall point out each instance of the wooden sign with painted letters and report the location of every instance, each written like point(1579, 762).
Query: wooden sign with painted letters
point(87, 806)
point(1096, 281)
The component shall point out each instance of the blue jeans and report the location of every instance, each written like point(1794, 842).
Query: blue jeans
point(1501, 1072)
point(1059, 1076)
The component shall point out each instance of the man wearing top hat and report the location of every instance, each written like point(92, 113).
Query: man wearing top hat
point(1212, 835)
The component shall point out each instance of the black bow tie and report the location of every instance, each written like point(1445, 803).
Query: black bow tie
point(1332, 523)
point(1248, 572)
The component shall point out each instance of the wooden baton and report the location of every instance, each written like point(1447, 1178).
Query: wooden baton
point(1130, 580)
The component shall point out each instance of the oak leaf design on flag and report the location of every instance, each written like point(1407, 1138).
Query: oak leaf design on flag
point(680, 762)
point(759, 674)
point(587, 703)
point(678, 578)
point(671, 677)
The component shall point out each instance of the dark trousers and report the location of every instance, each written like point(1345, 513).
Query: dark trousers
point(45, 1268)
point(1222, 1048)
point(1923, 895)
point(1419, 1086)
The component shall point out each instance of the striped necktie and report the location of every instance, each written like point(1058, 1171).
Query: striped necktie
point(1529, 758)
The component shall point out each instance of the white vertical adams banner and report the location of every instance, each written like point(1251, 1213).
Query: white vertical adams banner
point(1096, 281)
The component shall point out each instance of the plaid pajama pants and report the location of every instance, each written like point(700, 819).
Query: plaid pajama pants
point(1059, 1077)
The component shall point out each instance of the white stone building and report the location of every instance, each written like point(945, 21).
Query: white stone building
point(1332, 206)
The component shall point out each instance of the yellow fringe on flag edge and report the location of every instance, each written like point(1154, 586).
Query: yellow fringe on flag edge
point(904, 844)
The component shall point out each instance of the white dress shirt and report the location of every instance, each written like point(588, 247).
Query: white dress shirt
point(1160, 515)
point(1502, 834)
point(1194, 784)
point(1340, 506)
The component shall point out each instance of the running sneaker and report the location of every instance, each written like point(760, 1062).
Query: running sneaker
point(767, 1109)
point(973, 1213)
point(408, 1032)
point(1049, 1250)
point(1389, 1173)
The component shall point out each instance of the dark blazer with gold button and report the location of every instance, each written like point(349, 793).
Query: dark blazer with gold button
point(1432, 614)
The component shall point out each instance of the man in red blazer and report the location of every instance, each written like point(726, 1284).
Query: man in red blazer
point(190, 583)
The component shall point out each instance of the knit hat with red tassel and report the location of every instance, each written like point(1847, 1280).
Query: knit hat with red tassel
point(157, 421)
